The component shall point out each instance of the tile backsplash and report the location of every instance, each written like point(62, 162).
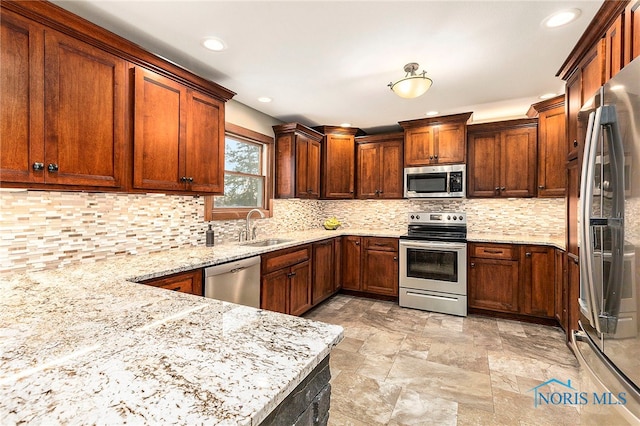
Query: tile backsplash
point(45, 230)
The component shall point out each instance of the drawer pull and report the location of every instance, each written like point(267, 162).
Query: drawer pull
point(491, 251)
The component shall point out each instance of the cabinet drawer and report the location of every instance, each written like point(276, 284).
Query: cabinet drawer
point(185, 282)
point(285, 258)
point(493, 251)
point(381, 243)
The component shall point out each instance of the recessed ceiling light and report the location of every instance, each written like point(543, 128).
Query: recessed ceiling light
point(213, 43)
point(264, 99)
point(617, 87)
point(345, 125)
point(547, 96)
point(561, 18)
point(431, 113)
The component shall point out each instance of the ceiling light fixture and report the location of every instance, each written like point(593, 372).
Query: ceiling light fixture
point(345, 124)
point(213, 43)
point(412, 85)
point(547, 96)
point(561, 18)
point(432, 113)
point(264, 99)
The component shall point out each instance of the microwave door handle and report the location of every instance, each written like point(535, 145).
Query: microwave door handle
point(586, 203)
point(615, 280)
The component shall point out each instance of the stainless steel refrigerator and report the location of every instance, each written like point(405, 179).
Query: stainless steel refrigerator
point(608, 341)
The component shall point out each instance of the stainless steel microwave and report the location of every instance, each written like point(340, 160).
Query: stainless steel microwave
point(435, 181)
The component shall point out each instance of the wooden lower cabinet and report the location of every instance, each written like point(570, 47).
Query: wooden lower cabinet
point(324, 277)
point(370, 265)
point(515, 279)
point(286, 280)
point(184, 282)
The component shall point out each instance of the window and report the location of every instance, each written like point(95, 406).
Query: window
point(246, 175)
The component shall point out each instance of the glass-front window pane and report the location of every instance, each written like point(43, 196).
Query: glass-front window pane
point(242, 157)
point(241, 191)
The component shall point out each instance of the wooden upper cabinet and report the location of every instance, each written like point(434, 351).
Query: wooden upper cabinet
point(593, 70)
point(436, 140)
point(379, 166)
point(64, 108)
point(573, 103)
point(297, 161)
point(631, 31)
point(614, 52)
point(552, 147)
point(502, 159)
point(338, 162)
point(178, 136)
point(22, 112)
point(159, 132)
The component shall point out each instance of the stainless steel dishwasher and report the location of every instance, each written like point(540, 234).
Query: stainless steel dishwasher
point(236, 282)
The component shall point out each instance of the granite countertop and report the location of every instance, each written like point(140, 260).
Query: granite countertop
point(557, 241)
point(86, 344)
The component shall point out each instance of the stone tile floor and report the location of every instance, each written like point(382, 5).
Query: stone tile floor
point(399, 366)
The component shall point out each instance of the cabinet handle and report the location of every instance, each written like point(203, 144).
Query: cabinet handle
point(291, 274)
point(540, 186)
point(351, 192)
point(38, 166)
point(527, 254)
point(53, 167)
point(183, 179)
point(395, 258)
point(435, 156)
point(431, 157)
point(377, 191)
point(491, 251)
point(175, 289)
point(503, 188)
point(473, 265)
point(575, 143)
point(309, 191)
point(380, 191)
point(190, 179)
point(497, 189)
point(357, 243)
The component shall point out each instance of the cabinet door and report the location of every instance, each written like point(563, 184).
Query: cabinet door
point(593, 70)
point(368, 170)
point(323, 271)
point(313, 169)
point(205, 143)
point(391, 170)
point(339, 169)
point(85, 107)
point(300, 288)
point(632, 31)
point(493, 284)
point(184, 282)
point(573, 103)
point(484, 162)
point(380, 272)
point(303, 190)
point(159, 132)
point(538, 282)
point(518, 162)
point(573, 293)
point(22, 112)
point(285, 167)
point(561, 289)
point(614, 53)
point(337, 263)
point(451, 143)
point(552, 153)
point(351, 276)
point(274, 291)
point(419, 146)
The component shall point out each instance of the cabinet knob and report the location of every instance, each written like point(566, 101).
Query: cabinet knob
point(431, 157)
point(503, 188)
point(291, 274)
point(351, 192)
point(395, 258)
point(190, 179)
point(527, 254)
point(575, 143)
point(38, 166)
point(377, 191)
point(183, 179)
point(380, 191)
point(309, 191)
point(357, 243)
point(435, 156)
point(497, 188)
point(540, 186)
point(52, 167)
point(473, 265)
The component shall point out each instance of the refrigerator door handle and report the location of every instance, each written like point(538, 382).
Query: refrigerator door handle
point(587, 262)
point(613, 295)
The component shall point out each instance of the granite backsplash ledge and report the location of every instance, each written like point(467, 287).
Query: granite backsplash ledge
point(50, 229)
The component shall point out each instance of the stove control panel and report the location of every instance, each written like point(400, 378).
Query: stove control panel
point(434, 218)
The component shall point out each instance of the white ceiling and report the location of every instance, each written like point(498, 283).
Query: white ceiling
point(328, 62)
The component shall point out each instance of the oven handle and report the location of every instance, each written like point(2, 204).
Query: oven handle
point(430, 296)
point(434, 244)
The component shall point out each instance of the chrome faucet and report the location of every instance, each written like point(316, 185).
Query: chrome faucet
point(251, 235)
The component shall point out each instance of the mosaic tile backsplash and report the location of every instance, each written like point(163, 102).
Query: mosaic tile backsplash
point(45, 230)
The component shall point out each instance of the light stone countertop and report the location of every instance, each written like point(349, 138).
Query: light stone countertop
point(85, 344)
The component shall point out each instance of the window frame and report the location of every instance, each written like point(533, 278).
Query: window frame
point(211, 212)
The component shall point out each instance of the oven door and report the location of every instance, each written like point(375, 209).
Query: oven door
point(434, 266)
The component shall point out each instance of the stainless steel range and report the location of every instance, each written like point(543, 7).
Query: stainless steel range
point(433, 263)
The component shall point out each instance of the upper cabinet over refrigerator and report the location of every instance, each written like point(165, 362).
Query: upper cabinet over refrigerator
point(610, 236)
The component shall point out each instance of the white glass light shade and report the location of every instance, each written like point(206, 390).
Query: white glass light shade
point(412, 85)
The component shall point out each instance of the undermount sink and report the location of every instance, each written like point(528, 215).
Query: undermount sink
point(266, 243)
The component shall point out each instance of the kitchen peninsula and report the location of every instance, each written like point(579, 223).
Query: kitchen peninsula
point(84, 344)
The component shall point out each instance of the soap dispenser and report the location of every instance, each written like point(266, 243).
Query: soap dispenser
point(210, 237)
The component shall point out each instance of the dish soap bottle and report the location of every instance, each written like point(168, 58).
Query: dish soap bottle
point(210, 237)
